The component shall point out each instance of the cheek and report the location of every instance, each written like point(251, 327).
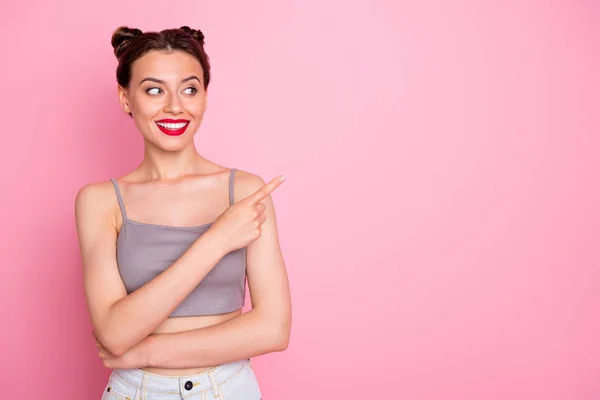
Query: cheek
point(196, 108)
point(142, 103)
point(148, 107)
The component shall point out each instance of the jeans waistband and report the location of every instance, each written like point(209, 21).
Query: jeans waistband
point(185, 385)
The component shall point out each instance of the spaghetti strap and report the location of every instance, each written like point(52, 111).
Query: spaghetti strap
point(231, 186)
point(119, 198)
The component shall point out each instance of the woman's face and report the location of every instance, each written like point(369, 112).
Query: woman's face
point(166, 97)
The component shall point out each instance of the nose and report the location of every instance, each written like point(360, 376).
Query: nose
point(173, 104)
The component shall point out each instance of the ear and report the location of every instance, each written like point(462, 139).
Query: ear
point(205, 99)
point(123, 99)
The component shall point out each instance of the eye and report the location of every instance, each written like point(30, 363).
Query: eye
point(153, 91)
point(193, 90)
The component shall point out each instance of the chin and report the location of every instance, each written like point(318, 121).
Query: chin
point(171, 144)
point(175, 145)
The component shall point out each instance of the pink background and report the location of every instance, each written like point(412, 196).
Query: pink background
point(441, 215)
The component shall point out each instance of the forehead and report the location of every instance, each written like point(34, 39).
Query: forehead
point(165, 66)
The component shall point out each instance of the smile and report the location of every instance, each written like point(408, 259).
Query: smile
point(172, 127)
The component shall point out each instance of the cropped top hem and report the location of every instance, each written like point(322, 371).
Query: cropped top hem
point(189, 312)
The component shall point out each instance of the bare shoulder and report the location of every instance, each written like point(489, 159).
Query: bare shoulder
point(96, 200)
point(246, 183)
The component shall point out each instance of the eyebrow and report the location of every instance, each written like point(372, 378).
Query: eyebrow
point(189, 78)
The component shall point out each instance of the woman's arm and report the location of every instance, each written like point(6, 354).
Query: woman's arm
point(264, 329)
point(121, 321)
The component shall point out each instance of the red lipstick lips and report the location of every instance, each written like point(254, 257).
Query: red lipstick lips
point(172, 127)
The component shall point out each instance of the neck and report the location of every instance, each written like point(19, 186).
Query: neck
point(159, 164)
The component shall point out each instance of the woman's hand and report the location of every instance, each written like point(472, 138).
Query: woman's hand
point(241, 223)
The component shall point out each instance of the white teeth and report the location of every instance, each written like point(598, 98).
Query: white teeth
point(172, 126)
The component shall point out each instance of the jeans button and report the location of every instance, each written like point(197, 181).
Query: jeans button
point(189, 385)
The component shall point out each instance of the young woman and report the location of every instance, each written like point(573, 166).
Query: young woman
point(167, 248)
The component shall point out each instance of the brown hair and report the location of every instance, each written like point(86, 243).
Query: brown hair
point(131, 44)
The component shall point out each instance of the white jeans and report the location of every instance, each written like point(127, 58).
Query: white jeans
point(235, 380)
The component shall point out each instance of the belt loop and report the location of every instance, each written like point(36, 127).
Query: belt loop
point(213, 382)
point(144, 388)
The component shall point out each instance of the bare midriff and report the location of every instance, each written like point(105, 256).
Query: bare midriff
point(182, 324)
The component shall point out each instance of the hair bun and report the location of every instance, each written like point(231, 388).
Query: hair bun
point(121, 38)
point(195, 33)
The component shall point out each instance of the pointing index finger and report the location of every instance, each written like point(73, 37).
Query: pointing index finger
point(266, 189)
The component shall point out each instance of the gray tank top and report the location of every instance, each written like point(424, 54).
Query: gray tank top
point(145, 250)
